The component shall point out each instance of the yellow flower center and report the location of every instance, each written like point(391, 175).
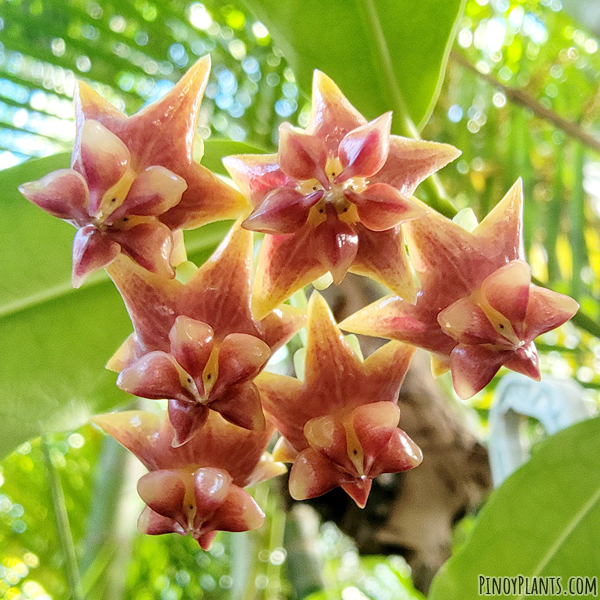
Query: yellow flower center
point(114, 197)
point(333, 196)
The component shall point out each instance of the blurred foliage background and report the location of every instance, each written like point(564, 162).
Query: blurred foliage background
point(516, 66)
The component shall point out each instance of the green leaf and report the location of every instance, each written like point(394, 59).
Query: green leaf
point(215, 150)
point(56, 340)
point(542, 521)
point(384, 54)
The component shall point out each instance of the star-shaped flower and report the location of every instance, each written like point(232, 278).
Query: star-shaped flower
point(333, 198)
point(197, 344)
point(196, 488)
point(477, 309)
point(339, 425)
point(114, 208)
point(163, 134)
point(133, 180)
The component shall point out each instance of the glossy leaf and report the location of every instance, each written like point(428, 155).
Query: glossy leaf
point(56, 340)
point(382, 54)
point(542, 521)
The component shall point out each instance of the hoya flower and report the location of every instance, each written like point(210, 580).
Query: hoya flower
point(197, 344)
point(496, 326)
point(114, 208)
point(133, 180)
point(339, 425)
point(333, 198)
point(477, 308)
point(164, 133)
point(197, 488)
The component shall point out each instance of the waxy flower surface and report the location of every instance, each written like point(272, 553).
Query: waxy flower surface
point(196, 488)
point(163, 133)
point(477, 308)
point(197, 344)
point(133, 180)
point(113, 208)
point(333, 198)
point(339, 425)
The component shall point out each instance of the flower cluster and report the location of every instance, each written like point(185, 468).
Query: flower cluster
point(337, 197)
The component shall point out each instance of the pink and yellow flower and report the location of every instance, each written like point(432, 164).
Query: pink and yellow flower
point(197, 344)
point(477, 308)
point(339, 425)
point(114, 209)
point(197, 488)
point(133, 181)
point(333, 198)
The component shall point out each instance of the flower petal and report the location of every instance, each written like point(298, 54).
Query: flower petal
point(382, 207)
point(546, 311)
point(286, 263)
point(267, 467)
point(394, 318)
point(336, 245)
point(137, 430)
point(241, 357)
point(364, 150)
point(450, 261)
point(154, 191)
point(186, 418)
point(382, 256)
point(286, 407)
point(313, 475)
point(240, 404)
point(398, 455)
point(302, 156)
point(156, 376)
point(359, 490)
point(373, 425)
point(149, 244)
point(525, 360)
point(151, 301)
point(206, 539)
point(256, 174)
point(410, 161)
point(102, 158)
point(332, 116)
point(327, 435)
point(507, 291)
point(228, 447)
point(211, 487)
point(284, 210)
point(473, 367)
point(387, 367)
point(192, 343)
point(164, 492)
point(326, 351)
point(466, 322)
point(278, 327)
point(500, 234)
point(92, 250)
point(152, 523)
point(62, 193)
point(239, 512)
point(124, 356)
point(219, 292)
point(284, 452)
